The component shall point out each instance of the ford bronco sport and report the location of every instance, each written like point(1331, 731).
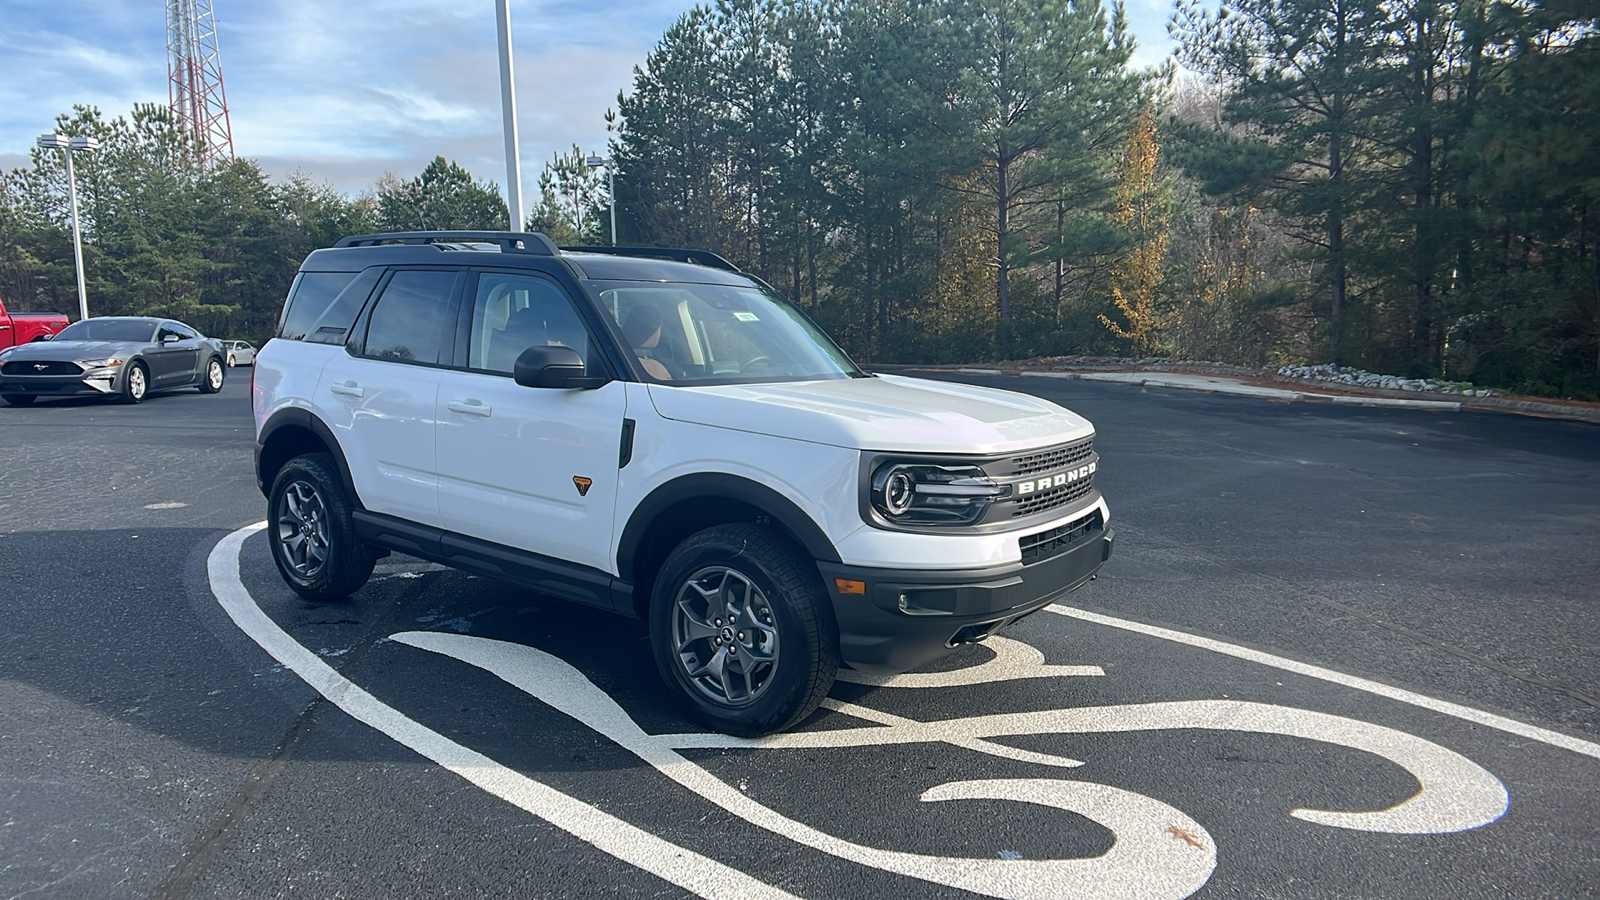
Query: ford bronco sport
point(654, 433)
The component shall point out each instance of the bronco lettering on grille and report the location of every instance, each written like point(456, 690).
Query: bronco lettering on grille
point(1059, 479)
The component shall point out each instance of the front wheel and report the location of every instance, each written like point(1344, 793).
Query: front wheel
point(136, 383)
point(312, 534)
point(211, 382)
point(742, 630)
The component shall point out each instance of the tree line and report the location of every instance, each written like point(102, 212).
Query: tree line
point(216, 245)
point(1408, 186)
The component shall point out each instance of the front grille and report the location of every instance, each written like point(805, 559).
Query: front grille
point(31, 367)
point(1047, 544)
point(1054, 458)
point(1052, 498)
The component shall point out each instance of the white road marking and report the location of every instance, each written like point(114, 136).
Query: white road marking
point(1145, 863)
point(1466, 713)
point(686, 869)
point(1013, 660)
point(1159, 851)
point(173, 504)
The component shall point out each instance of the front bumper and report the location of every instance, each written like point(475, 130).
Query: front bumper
point(94, 382)
point(902, 619)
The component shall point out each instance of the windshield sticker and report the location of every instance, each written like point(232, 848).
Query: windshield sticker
point(743, 316)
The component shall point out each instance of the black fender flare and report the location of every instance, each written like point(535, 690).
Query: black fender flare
point(723, 486)
point(297, 417)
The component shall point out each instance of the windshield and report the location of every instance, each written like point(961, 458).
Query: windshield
point(718, 334)
point(134, 330)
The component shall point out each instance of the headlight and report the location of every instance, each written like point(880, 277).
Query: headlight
point(929, 494)
point(101, 363)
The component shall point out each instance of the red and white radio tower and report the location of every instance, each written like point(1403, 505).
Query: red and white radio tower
point(194, 70)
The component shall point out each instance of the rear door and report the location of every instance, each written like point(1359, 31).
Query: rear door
point(379, 395)
point(531, 468)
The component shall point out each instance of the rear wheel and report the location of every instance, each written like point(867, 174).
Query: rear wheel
point(136, 383)
point(211, 382)
point(19, 399)
point(742, 630)
point(313, 537)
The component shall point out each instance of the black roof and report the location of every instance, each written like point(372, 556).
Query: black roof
point(525, 248)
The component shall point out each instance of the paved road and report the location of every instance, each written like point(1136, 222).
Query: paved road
point(1313, 612)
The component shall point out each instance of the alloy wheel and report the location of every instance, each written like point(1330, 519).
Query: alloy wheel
point(725, 634)
point(303, 529)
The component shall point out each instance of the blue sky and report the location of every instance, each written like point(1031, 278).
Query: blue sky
point(346, 91)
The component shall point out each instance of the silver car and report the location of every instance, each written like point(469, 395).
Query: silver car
point(116, 356)
point(240, 353)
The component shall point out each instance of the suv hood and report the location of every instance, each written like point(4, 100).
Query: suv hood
point(886, 413)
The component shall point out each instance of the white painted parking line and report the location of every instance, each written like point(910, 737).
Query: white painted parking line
point(1467, 713)
point(686, 869)
point(1159, 852)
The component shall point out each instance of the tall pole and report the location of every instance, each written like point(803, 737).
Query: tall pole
point(611, 188)
point(508, 106)
point(77, 238)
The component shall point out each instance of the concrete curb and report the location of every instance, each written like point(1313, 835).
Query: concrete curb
point(1222, 384)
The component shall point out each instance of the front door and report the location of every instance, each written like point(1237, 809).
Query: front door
point(176, 356)
point(532, 468)
point(379, 395)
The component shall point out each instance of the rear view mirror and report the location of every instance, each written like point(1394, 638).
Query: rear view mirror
point(553, 367)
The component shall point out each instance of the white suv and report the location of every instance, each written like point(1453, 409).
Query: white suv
point(656, 434)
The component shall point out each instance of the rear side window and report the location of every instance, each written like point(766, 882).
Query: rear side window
point(309, 297)
point(408, 323)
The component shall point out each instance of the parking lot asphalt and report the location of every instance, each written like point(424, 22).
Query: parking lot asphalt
point(1340, 652)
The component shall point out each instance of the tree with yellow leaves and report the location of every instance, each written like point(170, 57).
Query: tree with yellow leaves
point(1142, 209)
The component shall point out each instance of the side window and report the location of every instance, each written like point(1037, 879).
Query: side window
point(184, 332)
point(309, 297)
point(333, 326)
point(511, 313)
point(168, 330)
point(408, 324)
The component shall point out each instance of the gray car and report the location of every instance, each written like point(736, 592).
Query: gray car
point(116, 356)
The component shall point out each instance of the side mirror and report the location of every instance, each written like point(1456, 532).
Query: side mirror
point(169, 339)
point(553, 367)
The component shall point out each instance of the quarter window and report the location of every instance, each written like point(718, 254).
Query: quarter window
point(408, 323)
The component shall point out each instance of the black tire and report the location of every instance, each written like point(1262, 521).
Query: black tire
point(231, 362)
point(769, 620)
point(135, 383)
point(19, 399)
point(211, 379)
point(312, 535)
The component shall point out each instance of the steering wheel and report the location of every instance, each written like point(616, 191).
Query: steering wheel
point(757, 361)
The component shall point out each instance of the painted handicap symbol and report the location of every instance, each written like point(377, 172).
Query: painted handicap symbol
point(1158, 851)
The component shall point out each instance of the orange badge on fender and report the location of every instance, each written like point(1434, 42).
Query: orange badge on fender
point(583, 484)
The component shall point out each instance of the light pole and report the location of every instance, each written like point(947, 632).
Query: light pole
point(595, 161)
point(508, 107)
point(69, 146)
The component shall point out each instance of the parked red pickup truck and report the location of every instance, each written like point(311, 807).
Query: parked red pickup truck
point(20, 328)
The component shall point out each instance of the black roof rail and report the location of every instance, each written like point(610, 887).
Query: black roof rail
point(508, 241)
point(703, 257)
